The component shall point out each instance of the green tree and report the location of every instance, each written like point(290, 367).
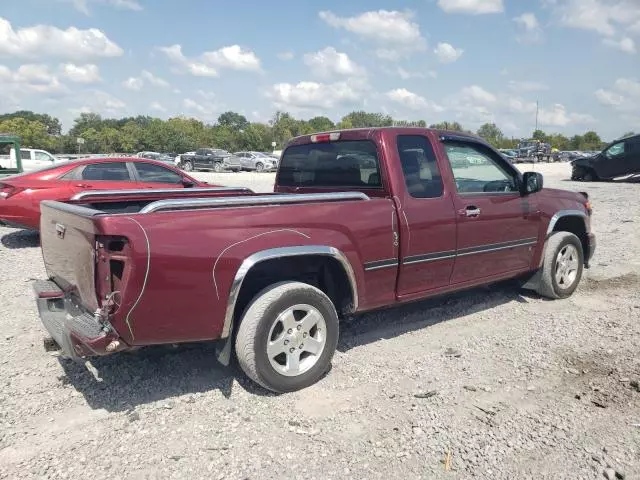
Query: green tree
point(628, 134)
point(362, 119)
point(33, 134)
point(591, 141)
point(233, 120)
point(491, 133)
point(53, 124)
point(541, 136)
point(452, 126)
point(320, 124)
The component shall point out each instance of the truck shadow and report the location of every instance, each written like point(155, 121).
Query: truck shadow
point(21, 239)
point(382, 325)
point(123, 381)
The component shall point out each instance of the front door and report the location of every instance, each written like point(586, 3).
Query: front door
point(619, 159)
point(498, 228)
point(427, 219)
point(155, 176)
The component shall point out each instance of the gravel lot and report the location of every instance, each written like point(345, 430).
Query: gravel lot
point(491, 383)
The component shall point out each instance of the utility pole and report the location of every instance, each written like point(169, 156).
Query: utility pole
point(536, 116)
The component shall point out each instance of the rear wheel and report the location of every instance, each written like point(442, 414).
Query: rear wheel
point(562, 265)
point(287, 336)
point(187, 166)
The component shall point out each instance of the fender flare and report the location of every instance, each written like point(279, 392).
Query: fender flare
point(564, 213)
point(273, 253)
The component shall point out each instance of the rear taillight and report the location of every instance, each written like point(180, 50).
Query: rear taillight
point(7, 191)
point(325, 137)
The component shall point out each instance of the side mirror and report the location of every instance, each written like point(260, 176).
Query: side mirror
point(532, 182)
point(187, 183)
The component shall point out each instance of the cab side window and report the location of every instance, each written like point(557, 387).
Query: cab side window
point(477, 169)
point(420, 167)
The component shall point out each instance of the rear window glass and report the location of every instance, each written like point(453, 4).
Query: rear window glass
point(333, 164)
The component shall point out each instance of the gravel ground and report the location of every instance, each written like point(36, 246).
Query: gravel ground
point(490, 383)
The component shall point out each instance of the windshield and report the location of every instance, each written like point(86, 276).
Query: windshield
point(342, 164)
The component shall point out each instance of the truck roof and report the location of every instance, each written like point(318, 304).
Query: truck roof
point(366, 132)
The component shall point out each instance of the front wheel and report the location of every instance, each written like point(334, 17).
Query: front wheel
point(562, 265)
point(259, 167)
point(187, 166)
point(217, 167)
point(287, 336)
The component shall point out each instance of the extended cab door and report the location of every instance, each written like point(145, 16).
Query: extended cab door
point(498, 228)
point(427, 218)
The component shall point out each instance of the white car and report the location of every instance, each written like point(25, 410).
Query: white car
point(32, 159)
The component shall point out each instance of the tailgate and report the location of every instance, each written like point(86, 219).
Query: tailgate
point(67, 236)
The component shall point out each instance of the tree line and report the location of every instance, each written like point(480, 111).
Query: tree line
point(232, 132)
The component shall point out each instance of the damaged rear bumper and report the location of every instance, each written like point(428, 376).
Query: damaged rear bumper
point(78, 333)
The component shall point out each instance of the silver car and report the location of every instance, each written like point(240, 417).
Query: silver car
point(257, 161)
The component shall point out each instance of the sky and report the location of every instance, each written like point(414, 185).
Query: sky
point(471, 61)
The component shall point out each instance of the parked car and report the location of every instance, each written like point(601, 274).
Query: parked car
point(257, 161)
point(618, 159)
point(32, 159)
point(20, 195)
point(273, 282)
point(214, 159)
point(160, 157)
point(183, 157)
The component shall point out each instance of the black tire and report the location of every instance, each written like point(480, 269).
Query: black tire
point(255, 332)
point(589, 176)
point(549, 286)
point(259, 167)
point(217, 167)
point(187, 166)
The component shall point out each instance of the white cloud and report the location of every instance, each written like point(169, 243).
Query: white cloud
point(527, 86)
point(187, 65)
point(395, 31)
point(329, 61)
point(314, 95)
point(88, 73)
point(233, 57)
point(45, 41)
point(206, 65)
point(628, 86)
point(475, 7)
point(83, 5)
point(609, 98)
point(624, 96)
point(153, 80)
point(411, 100)
point(626, 44)
point(29, 79)
point(606, 17)
point(446, 53)
point(406, 74)
point(133, 83)
point(206, 110)
point(157, 106)
point(98, 101)
point(286, 56)
point(531, 29)
point(382, 25)
point(558, 116)
point(478, 94)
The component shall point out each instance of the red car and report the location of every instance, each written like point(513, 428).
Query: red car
point(20, 195)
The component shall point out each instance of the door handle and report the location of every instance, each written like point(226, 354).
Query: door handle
point(83, 185)
point(470, 211)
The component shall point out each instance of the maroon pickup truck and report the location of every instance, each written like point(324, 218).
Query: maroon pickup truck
point(359, 220)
